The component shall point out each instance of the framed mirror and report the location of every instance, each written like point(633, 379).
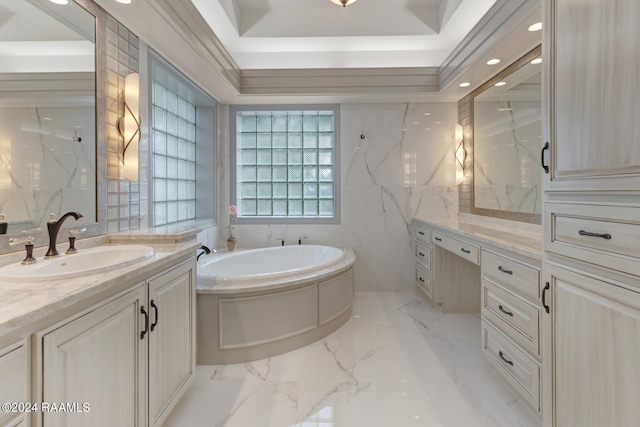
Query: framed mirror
point(48, 112)
point(507, 130)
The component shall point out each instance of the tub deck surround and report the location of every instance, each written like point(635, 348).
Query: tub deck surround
point(171, 233)
point(242, 320)
point(207, 285)
point(22, 303)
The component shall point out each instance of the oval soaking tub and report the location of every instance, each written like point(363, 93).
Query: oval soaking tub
point(258, 303)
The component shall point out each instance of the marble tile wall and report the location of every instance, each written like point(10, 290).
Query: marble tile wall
point(402, 167)
point(40, 147)
point(124, 198)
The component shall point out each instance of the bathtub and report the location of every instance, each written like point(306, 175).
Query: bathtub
point(258, 303)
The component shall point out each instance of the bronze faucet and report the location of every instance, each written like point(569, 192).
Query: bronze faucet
point(54, 226)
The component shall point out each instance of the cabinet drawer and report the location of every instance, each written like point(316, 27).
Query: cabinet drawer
point(465, 250)
point(519, 369)
point(607, 236)
point(425, 282)
point(423, 256)
point(518, 319)
point(14, 378)
point(422, 234)
point(511, 273)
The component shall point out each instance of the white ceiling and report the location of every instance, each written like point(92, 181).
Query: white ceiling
point(299, 34)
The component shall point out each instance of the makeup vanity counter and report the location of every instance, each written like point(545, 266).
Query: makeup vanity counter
point(492, 268)
point(112, 339)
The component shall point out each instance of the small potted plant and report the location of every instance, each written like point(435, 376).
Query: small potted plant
point(231, 240)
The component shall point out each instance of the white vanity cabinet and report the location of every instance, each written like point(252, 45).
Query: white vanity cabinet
point(15, 381)
point(130, 359)
point(423, 254)
point(99, 359)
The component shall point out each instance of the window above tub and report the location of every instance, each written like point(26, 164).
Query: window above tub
point(285, 164)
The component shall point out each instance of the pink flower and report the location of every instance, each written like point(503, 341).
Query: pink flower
point(233, 210)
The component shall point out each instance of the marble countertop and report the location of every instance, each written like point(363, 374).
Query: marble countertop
point(22, 303)
point(208, 286)
point(525, 239)
point(179, 232)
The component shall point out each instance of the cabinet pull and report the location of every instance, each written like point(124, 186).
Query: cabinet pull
point(508, 313)
point(465, 251)
point(155, 308)
point(545, 167)
point(505, 271)
point(421, 233)
point(421, 279)
point(420, 253)
point(544, 297)
point(505, 359)
point(146, 322)
point(438, 239)
point(587, 233)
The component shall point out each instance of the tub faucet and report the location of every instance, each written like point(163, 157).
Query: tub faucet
point(281, 240)
point(54, 226)
point(205, 250)
point(300, 239)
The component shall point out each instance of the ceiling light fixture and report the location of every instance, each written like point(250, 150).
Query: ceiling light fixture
point(124, 1)
point(493, 61)
point(59, 1)
point(465, 84)
point(537, 61)
point(536, 27)
point(500, 84)
point(343, 3)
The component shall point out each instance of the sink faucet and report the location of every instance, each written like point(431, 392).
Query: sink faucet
point(54, 226)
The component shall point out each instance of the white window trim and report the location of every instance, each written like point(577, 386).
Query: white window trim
point(335, 219)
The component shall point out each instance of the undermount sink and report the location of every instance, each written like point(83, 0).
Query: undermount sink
point(85, 262)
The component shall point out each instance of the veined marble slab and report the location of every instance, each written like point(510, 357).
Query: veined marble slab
point(525, 241)
point(22, 303)
point(178, 232)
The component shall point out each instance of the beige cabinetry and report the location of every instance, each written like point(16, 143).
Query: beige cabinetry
point(511, 322)
point(15, 382)
point(130, 359)
point(591, 224)
point(423, 254)
point(98, 359)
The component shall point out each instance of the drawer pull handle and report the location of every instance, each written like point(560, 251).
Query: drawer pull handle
point(421, 254)
point(465, 251)
point(421, 279)
point(421, 233)
point(438, 239)
point(587, 233)
point(507, 361)
point(508, 313)
point(505, 271)
point(545, 167)
point(544, 297)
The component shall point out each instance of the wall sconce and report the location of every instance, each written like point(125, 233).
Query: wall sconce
point(129, 126)
point(460, 153)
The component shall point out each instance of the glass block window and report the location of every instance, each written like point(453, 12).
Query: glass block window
point(286, 165)
point(173, 156)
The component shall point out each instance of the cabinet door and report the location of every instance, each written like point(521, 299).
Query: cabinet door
point(14, 380)
point(99, 359)
point(595, 98)
point(596, 344)
point(172, 339)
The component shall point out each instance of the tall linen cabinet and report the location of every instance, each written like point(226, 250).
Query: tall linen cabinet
point(591, 219)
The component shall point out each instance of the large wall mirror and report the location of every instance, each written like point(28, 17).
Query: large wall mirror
point(507, 132)
point(48, 124)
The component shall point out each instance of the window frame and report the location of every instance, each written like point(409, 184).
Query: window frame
point(233, 165)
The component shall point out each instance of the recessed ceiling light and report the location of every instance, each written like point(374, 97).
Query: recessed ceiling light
point(427, 114)
point(124, 1)
point(500, 84)
point(505, 109)
point(537, 61)
point(536, 27)
point(59, 1)
point(465, 84)
point(416, 123)
point(438, 123)
point(405, 129)
point(47, 118)
point(493, 61)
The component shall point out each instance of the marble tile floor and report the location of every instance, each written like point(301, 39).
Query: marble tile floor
point(397, 362)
